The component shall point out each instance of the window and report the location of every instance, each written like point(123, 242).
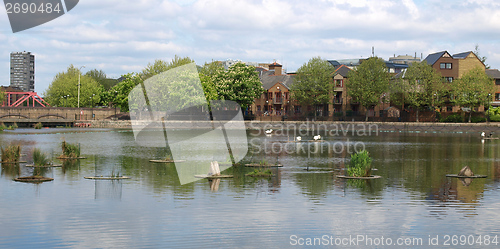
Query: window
point(258, 108)
point(339, 83)
point(497, 96)
point(448, 79)
point(270, 95)
point(445, 66)
point(497, 82)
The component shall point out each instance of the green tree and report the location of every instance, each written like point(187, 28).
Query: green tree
point(66, 84)
point(240, 83)
point(473, 89)
point(420, 85)
point(2, 95)
point(101, 78)
point(160, 66)
point(118, 95)
point(368, 82)
point(477, 52)
point(207, 75)
point(312, 84)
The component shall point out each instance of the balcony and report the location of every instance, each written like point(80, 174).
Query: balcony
point(278, 101)
point(338, 89)
point(337, 101)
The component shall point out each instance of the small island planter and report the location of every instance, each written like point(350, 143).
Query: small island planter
point(360, 177)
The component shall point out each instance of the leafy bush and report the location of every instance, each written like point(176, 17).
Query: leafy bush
point(70, 150)
point(2, 126)
point(38, 125)
point(11, 153)
point(39, 158)
point(13, 126)
point(478, 119)
point(453, 118)
point(495, 118)
point(360, 164)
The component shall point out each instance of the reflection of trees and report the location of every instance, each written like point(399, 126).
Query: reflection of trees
point(11, 170)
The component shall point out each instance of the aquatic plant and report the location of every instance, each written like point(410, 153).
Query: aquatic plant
point(360, 165)
point(11, 154)
point(263, 162)
point(39, 158)
point(259, 172)
point(13, 126)
point(70, 150)
point(38, 125)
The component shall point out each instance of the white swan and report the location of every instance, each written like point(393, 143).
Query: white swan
point(269, 131)
point(482, 134)
point(318, 137)
point(299, 138)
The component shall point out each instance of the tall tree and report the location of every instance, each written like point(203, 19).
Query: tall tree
point(2, 95)
point(477, 52)
point(368, 82)
point(101, 78)
point(420, 85)
point(119, 93)
point(240, 83)
point(207, 75)
point(63, 91)
point(312, 83)
point(473, 89)
point(160, 66)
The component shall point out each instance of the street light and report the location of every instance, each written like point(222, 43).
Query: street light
point(79, 73)
point(488, 115)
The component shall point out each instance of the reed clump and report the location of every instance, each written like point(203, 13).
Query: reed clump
point(11, 154)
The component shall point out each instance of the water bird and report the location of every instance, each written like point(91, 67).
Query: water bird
point(318, 137)
point(269, 131)
point(482, 134)
point(299, 138)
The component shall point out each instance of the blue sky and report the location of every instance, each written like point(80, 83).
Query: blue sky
point(124, 36)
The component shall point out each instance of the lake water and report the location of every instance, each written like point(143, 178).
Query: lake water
point(303, 203)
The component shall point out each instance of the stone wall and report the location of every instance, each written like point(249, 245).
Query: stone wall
point(63, 113)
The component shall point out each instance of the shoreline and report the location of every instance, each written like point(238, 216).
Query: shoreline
point(329, 125)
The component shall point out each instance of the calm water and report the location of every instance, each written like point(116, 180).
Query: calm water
point(304, 199)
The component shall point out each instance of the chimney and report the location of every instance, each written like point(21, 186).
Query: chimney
point(277, 68)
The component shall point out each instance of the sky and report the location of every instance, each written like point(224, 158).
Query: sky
point(123, 36)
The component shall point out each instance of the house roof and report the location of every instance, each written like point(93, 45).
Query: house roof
point(432, 58)
point(493, 73)
point(461, 55)
point(268, 79)
point(342, 70)
point(275, 64)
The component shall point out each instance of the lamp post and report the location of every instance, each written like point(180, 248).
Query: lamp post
point(92, 105)
point(488, 115)
point(79, 73)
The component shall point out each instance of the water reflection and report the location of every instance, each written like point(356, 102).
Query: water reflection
point(413, 198)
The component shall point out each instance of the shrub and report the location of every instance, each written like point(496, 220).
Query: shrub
point(360, 164)
point(70, 150)
point(453, 118)
point(495, 118)
point(39, 158)
point(38, 125)
point(477, 119)
point(11, 153)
